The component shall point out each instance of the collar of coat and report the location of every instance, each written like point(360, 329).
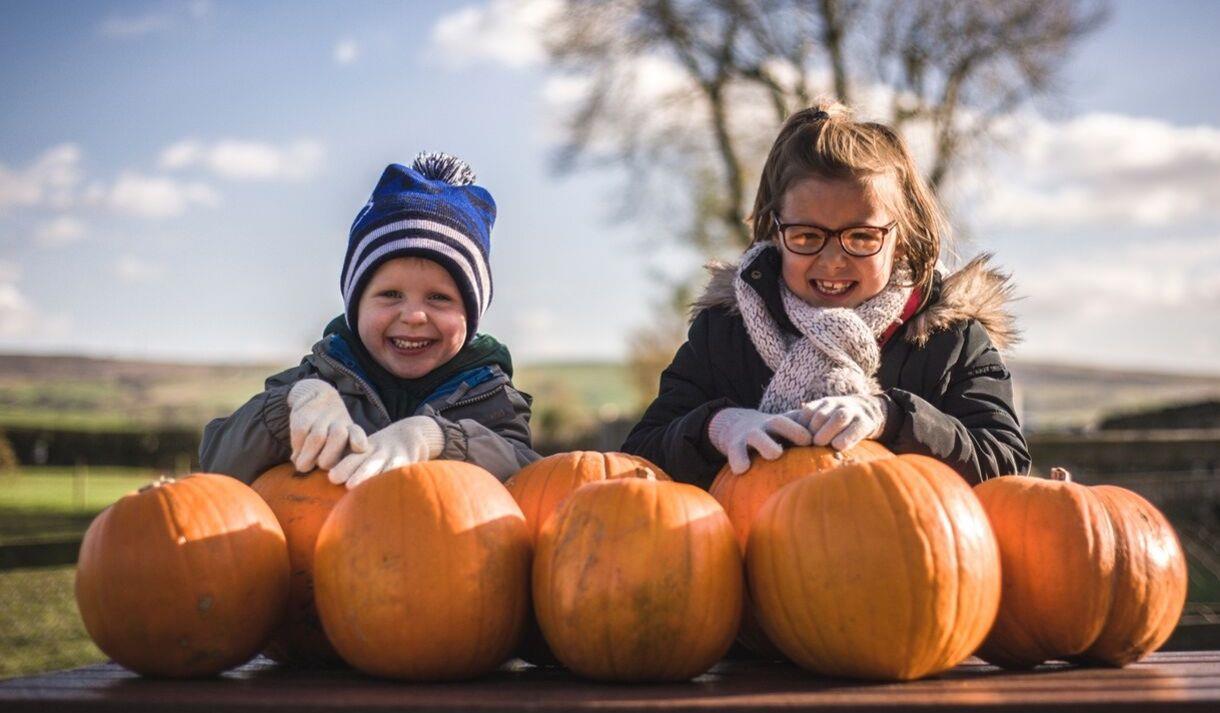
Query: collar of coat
point(977, 291)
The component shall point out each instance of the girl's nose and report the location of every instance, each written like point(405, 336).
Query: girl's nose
point(832, 254)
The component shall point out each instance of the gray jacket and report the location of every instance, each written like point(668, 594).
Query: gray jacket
point(485, 420)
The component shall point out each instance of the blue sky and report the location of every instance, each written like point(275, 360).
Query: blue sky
point(177, 180)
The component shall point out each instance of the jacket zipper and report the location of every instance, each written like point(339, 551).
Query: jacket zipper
point(475, 399)
point(360, 382)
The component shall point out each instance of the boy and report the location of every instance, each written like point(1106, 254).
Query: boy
point(402, 364)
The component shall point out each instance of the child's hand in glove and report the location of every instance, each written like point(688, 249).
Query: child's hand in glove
point(412, 440)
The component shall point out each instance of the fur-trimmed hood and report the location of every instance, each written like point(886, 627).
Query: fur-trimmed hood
point(977, 291)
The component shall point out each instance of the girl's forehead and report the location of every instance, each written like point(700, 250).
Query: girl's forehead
point(870, 194)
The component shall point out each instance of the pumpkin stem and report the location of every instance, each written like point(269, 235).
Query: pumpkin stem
point(161, 480)
point(645, 473)
point(1061, 474)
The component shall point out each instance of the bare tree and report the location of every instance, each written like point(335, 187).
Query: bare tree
point(961, 65)
point(688, 93)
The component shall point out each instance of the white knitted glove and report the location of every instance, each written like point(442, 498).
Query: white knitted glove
point(842, 421)
point(412, 440)
point(733, 431)
point(319, 425)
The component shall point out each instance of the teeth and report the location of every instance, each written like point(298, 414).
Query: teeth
point(833, 288)
point(405, 344)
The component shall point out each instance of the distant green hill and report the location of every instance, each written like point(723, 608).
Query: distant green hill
point(81, 392)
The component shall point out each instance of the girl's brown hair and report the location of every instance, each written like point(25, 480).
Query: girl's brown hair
point(824, 141)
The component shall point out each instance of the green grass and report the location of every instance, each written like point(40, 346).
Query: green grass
point(68, 489)
point(41, 503)
point(593, 385)
point(40, 628)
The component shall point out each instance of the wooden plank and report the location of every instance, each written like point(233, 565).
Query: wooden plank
point(1169, 681)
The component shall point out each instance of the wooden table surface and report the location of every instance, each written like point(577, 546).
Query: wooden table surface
point(1163, 682)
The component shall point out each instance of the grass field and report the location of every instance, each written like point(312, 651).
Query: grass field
point(41, 503)
point(40, 629)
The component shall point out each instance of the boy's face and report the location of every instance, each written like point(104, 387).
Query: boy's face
point(832, 278)
point(411, 317)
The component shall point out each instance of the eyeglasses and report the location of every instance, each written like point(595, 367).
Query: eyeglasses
point(855, 240)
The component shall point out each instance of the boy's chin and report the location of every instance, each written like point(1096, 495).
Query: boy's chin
point(410, 369)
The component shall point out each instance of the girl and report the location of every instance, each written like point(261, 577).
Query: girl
point(836, 326)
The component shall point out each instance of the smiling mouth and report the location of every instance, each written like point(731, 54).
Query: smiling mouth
point(832, 288)
point(411, 346)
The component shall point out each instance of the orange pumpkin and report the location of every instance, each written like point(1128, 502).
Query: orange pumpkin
point(1150, 580)
point(540, 487)
point(881, 570)
point(1095, 573)
point(637, 579)
point(184, 577)
point(742, 496)
point(422, 573)
point(301, 503)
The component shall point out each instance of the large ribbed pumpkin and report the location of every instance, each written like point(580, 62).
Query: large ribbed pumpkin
point(539, 488)
point(1094, 573)
point(880, 570)
point(1057, 547)
point(184, 577)
point(301, 502)
point(422, 573)
point(637, 579)
point(742, 496)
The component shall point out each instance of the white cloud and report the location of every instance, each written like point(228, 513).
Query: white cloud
point(131, 269)
point(62, 230)
point(154, 19)
point(19, 319)
point(1125, 280)
point(346, 51)
point(181, 155)
point(48, 181)
point(507, 32)
point(1100, 171)
point(157, 197)
point(247, 160)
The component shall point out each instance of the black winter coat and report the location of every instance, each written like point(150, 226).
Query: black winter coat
point(949, 393)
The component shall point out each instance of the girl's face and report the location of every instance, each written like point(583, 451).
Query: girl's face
point(833, 278)
point(411, 317)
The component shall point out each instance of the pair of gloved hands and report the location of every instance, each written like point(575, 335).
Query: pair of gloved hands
point(322, 431)
point(838, 421)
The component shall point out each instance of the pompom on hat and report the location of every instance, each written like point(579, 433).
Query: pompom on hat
point(431, 210)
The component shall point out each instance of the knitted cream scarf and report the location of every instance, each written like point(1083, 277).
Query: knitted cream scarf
point(838, 354)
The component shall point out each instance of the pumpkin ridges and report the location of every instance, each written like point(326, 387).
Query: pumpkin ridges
point(1060, 610)
point(176, 601)
point(409, 615)
point(607, 609)
point(897, 496)
point(942, 603)
point(743, 496)
point(301, 503)
point(968, 551)
point(1148, 599)
point(850, 585)
point(971, 550)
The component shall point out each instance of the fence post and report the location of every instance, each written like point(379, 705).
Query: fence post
point(78, 485)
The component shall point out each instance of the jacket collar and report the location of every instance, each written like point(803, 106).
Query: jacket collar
point(977, 291)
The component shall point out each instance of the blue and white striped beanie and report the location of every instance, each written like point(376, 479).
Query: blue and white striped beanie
point(431, 210)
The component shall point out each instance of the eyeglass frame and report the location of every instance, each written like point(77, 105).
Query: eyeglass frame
point(835, 234)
